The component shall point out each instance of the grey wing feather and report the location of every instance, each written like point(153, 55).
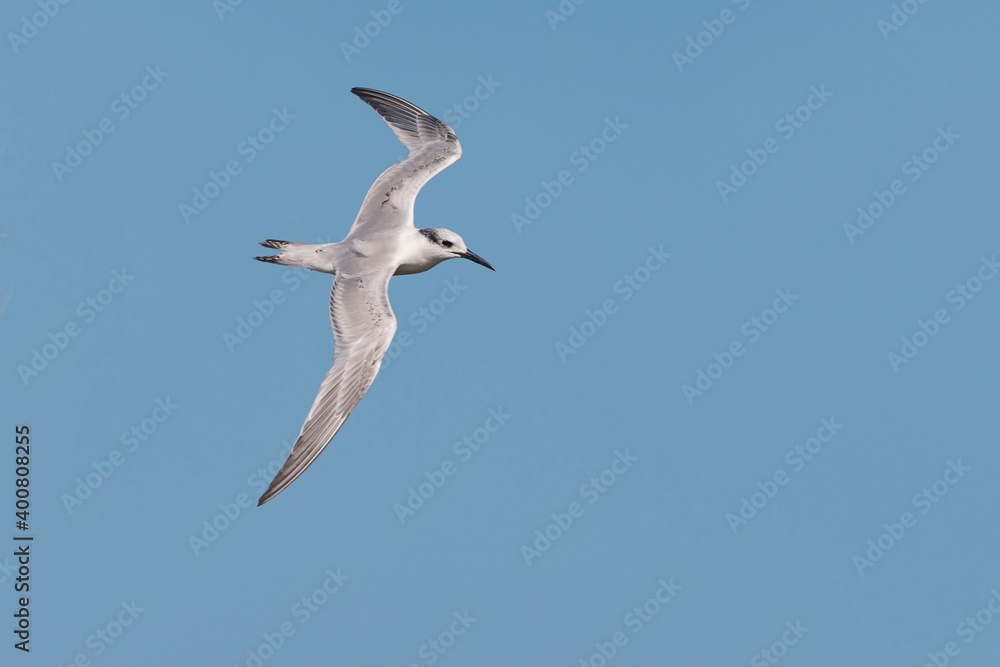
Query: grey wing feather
point(432, 146)
point(363, 327)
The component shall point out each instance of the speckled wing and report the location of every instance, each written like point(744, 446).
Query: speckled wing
point(363, 327)
point(432, 146)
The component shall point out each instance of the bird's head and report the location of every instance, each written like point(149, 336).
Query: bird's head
point(446, 244)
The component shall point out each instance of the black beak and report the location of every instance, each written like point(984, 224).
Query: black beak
point(468, 254)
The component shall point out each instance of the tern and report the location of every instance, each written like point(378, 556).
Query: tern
point(383, 242)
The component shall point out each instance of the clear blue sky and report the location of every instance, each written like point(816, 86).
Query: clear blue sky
point(742, 415)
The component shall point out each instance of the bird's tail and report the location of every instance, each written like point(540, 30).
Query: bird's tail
point(277, 245)
point(308, 255)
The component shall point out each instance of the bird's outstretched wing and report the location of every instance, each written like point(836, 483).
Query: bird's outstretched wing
point(363, 327)
point(432, 146)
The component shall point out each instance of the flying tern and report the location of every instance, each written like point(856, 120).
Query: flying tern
point(383, 242)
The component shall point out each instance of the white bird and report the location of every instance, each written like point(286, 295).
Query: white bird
point(382, 243)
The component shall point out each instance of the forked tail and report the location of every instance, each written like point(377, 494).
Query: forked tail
point(277, 245)
point(307, 255)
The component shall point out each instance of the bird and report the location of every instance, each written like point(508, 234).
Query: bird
point(383, 242)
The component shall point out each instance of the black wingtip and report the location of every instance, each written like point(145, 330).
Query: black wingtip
point(274, 243)
point(386, 103)
point(267, 496)
point(273, 259)
point(367, 94)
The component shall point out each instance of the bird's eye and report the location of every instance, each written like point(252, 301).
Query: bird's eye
point(446, 244)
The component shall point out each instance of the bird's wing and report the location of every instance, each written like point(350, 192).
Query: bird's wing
point(432, 146)
point(363, 327)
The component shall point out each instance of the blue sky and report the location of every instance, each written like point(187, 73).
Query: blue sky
point(730, 398)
